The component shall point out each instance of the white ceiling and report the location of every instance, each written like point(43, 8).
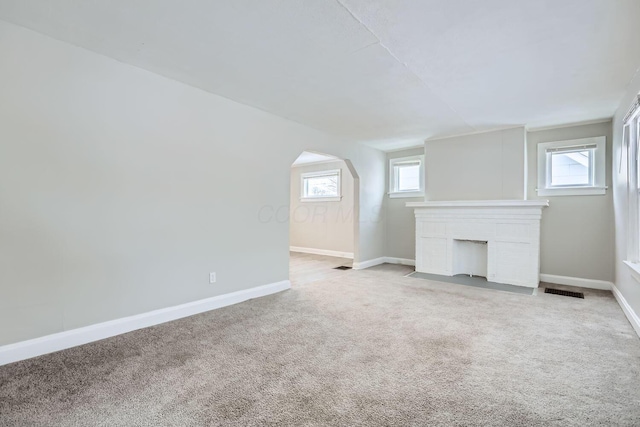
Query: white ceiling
point(308, 157)
point(387, 73)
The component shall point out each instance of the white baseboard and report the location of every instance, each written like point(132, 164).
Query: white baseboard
point(382, 260)
point(368, 263)
point(576, 281)
point(626, 308)
point(38, 346)
point(321, 252)
point(401, 261)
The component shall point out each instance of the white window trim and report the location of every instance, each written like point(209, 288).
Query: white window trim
point(630, 143)
point(392, 179)
point(307, 199)
point(598, 186)
point(634, 267)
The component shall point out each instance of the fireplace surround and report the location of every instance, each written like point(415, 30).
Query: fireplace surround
point(508, 229)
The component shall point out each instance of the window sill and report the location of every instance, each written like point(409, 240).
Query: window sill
point(320, 199)
point(572, 191)
point(406, 195)
point(635, 269)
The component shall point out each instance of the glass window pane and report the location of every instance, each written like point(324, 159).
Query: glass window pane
point(571, 167)
point(408, 177)
point(321, 186)
point(637, 144)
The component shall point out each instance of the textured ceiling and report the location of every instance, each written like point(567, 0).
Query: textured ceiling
point(387, 73)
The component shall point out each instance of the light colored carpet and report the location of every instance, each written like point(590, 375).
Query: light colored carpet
point(361, 348)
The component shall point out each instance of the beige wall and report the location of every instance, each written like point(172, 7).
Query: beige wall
point(626, 284)
point(121, 189)
point(576, 232)
point(370, 204)
point(577, 235)
point(400, 220)
point(319, 224)
point(483, 166)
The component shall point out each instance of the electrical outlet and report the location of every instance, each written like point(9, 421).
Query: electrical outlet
point(212, 277)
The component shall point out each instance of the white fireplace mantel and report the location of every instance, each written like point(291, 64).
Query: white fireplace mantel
point(510, 229)
point(480, 204)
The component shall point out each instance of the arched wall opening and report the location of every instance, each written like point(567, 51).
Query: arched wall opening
point(324, 206)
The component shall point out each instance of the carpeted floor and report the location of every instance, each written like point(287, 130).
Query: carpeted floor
point(357, 348)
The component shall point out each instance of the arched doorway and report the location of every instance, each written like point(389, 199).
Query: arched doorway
point(323, 216)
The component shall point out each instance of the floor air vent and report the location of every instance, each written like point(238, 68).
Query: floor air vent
point(564, 293)
point(342, 267)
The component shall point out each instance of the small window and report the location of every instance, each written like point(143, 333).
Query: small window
point(575, 167)
point(321, 186)
point(406, 177)
point(570, 167)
